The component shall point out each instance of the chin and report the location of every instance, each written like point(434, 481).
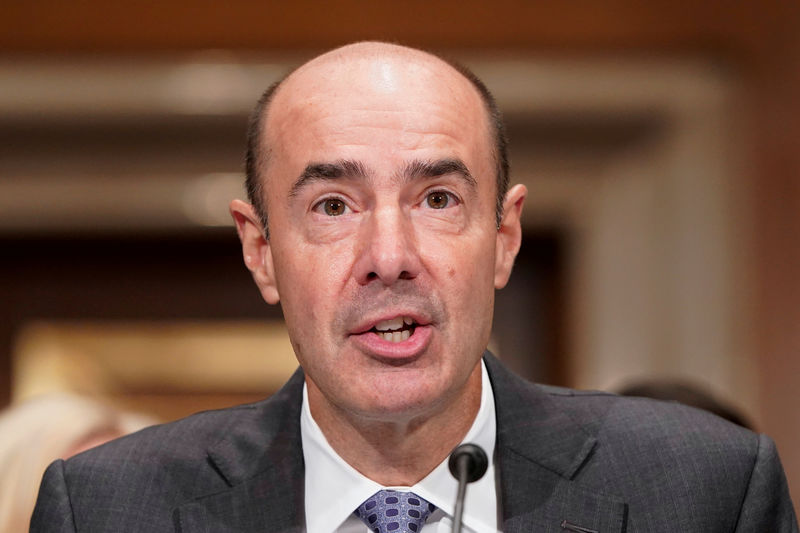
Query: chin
point(398, 402)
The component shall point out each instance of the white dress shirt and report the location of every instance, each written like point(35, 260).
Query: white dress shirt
point(334, 489)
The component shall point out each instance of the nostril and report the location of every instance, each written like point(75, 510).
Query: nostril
point(371, 276)
point(405, 275)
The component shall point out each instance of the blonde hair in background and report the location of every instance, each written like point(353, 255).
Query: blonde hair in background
point(36, 432)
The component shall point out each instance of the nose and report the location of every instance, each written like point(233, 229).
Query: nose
point(388, 250)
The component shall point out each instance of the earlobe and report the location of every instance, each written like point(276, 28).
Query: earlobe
point(256, 249)
point(509, 235)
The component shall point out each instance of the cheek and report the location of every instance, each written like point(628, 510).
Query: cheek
point(475, 275)
point(465, 277)
point(466, 259)
point(311, 279)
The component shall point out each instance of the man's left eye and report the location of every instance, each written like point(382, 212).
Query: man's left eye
point(438, 199)
point(332, 207)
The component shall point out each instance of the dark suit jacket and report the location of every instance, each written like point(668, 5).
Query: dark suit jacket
point(595, 460)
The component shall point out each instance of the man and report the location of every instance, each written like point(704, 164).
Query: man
point(382, 224)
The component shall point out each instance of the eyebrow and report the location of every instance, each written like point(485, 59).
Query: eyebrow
point(328, 171)
point(347, 168)
point(440, 167)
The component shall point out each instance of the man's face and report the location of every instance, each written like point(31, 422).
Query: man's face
point(380, 189)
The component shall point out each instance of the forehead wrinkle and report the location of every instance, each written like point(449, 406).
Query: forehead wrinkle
point(343, 168)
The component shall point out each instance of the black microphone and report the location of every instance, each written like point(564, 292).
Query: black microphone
point(467, 463)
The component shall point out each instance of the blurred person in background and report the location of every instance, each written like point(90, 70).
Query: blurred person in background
point(42, 429)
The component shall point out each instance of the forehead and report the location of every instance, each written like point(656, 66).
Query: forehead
point(376, 106)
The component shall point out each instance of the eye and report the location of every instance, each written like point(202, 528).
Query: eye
point(439, 199)
point(333, 207)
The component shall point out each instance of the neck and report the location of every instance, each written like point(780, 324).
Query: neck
point(403, 450)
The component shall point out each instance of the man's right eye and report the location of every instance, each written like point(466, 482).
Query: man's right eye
point(333, 207)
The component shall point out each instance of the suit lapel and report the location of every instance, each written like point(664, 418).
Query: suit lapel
point(539, 451)
point(262, 462)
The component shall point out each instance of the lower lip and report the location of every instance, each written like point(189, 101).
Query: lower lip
point(411, 348)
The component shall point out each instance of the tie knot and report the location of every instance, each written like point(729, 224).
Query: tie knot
point(393, 511)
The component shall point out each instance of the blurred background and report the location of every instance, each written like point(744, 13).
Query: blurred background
point(660, 143)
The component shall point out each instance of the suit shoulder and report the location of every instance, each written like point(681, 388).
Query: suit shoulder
point(613, 421)
point(140, 478)
point(188, 437)
point(168, 452)
point(635, 419)
point(672, 463)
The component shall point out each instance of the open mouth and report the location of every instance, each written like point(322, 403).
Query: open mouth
point(395, 329)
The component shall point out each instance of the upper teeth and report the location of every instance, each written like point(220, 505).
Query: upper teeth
point(393, 323)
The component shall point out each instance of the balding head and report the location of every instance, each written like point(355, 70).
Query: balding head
point(378, 67)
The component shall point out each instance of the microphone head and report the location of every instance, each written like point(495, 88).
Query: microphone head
point(474, 459)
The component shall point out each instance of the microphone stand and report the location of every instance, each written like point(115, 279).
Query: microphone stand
point(467, 463)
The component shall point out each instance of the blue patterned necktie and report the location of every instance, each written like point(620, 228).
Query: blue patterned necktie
point(393, 511)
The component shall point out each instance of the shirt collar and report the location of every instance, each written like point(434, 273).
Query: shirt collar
point(334, 489)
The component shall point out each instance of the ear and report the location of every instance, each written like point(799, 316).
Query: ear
point(509, 235)
point(255, 249)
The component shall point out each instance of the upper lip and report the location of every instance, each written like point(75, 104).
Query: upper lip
point(368, 323)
